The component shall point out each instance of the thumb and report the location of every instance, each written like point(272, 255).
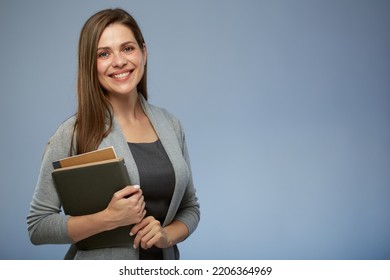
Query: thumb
point(127, 191)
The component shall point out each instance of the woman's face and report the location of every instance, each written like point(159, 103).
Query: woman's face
point(120, 60)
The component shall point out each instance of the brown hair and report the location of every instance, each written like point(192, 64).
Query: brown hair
point(94, 111)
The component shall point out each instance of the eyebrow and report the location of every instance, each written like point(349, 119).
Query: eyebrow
point(123, 44)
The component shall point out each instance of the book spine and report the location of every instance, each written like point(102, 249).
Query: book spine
point(57, 164)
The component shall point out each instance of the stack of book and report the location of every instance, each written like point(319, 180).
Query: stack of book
point(85, 184)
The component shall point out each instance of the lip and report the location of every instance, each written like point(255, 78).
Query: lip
point(121, 75)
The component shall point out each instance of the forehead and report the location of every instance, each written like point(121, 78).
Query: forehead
point(116, 34)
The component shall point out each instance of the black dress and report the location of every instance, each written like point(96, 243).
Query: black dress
point(157, 181)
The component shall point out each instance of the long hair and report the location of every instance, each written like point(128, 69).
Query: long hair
point(94, 112)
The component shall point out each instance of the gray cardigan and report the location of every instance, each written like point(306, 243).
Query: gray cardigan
point(48, 225)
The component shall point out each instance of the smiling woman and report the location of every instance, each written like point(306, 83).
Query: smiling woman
point(113, 110)
point(121, 60)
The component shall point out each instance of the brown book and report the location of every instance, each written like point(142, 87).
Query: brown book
point(88, 188)
point(98, 155)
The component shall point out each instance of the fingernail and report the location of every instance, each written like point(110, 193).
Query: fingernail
point(131, 234)
point(136, 187)
point(135, 247)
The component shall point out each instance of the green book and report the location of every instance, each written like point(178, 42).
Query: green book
point(87, 189)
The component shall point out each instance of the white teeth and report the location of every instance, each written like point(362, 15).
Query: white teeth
point(122, 75)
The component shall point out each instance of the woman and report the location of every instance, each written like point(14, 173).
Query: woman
point(113, 111)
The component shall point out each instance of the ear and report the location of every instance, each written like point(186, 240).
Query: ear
point(145, 53)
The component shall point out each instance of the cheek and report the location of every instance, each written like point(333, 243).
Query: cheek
point(137, 59)
point(102, 67)
point(143, 59)
point(101, 71)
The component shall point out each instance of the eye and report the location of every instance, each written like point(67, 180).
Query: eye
point(103, 54)
point(128, 49)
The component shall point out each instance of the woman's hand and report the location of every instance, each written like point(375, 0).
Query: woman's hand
point(126, 207)
point(149, 232)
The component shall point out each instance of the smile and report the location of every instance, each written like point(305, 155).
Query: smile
point(120, 75)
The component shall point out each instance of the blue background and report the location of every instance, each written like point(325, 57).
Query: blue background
point(286, 107)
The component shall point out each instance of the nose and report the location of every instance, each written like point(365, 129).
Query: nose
point(119, 60)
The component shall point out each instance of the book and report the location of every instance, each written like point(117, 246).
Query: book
point(98, 155)
point(88, 188)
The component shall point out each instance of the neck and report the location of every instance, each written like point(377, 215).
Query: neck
point(127, 108)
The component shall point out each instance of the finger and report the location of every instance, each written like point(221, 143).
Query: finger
point(153, 240)
point(152, 236)
point(140, 210)
point(139, 226)
point(141, 201)
point(147, 233)
point(127, 191)
point(147, 241)
point(142, 205)
point(137, 240)
point(135, 199)
point(141, 229)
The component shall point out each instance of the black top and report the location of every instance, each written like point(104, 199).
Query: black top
point(157, 181)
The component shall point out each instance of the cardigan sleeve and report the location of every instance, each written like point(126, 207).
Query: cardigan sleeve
point(189, 209)
point(46, 222)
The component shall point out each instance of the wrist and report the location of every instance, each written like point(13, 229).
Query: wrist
point(107, 223)
point(168, 234)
